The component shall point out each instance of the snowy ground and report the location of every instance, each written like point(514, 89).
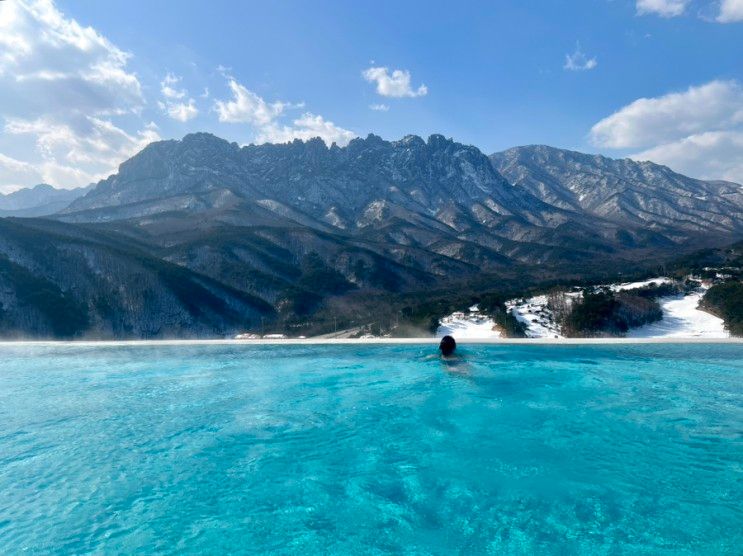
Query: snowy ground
point(533, 312)
point(467, 325)
point(468, 328)
point(681, 318)
point(635, 285)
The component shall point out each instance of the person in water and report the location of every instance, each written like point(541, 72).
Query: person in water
point(447, 346)
point(451, 360)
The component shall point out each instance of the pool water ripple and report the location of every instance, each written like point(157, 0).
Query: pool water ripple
point(374, 449)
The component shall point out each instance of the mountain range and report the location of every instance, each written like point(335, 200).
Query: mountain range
point(227, 237)
point(40, 200)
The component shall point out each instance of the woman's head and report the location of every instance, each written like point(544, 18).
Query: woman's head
point(447, 345)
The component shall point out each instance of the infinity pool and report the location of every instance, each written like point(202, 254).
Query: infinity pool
point(612, 449)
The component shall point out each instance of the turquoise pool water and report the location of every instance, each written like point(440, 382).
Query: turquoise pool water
point(623, 449)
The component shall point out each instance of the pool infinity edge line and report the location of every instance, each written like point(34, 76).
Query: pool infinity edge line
point(373, 341)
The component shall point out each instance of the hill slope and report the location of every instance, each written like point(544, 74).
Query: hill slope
point(59, 280)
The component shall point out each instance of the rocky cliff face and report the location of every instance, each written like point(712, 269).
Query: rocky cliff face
point(346, 188)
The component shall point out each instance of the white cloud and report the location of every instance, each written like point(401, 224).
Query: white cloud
point(650, 121)
point(61, 84)
point(176, 104)
point(379, 107)
point(17, 174)
point(698, 131)
point(730, 11)
point(78, 152)
point(663, 8)
point(579, 61)
point(14, 174)
point(709, 155)
point(49, 62)
point(395, 84)
point(167, 89)
point(305, 127)
point(245, 106)
point(181, 111)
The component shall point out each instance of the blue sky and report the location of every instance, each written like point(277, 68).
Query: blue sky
point(117, 74)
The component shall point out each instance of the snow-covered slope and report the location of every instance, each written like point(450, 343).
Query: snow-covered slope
point(682, 318)
point(634, 285)
point(534, 313)
point(471, 324)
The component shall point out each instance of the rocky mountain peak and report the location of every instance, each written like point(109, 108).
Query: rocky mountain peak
point(412, 142)
point(438, 141)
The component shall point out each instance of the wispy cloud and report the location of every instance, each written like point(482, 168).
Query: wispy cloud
point(579, 61)
point(663, 8)
point(176, 103)
point(307, 126)
point(728, 11)
point(396, 84)
point(82, 150)
point(379, 107)
point(247, 107)
point(14, 174)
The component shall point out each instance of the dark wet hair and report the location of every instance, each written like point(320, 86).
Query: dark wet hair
point(447, 345)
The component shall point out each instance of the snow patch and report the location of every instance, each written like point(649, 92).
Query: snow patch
point(468, 325)
point(634, 285)
point(334, 219)
point(682, 318)
point(535, 315)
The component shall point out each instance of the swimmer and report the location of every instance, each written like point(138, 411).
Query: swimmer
point(447, 347)
point(451, 360)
